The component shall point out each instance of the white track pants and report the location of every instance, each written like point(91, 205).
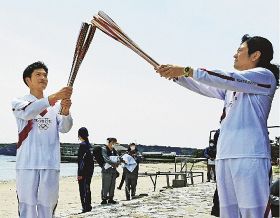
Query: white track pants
point(37, 192)
point(243, 187)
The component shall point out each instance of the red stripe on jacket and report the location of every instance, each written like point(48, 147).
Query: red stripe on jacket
point(44, 112)
point(24, 133)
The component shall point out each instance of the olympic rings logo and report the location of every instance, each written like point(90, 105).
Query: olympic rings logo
point(43, 126)
point(43, 123)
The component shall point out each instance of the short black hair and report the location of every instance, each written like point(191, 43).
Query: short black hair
point(83, 133)
point(29, 70)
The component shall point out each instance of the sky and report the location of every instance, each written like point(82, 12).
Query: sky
point(116, 92)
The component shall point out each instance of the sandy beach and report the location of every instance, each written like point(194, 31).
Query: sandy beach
point(192, 201)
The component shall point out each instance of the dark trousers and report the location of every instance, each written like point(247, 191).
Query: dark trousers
point(130, 185)
point(216, 204)
point(85, 193)
point(108, 184)
point(209, 167)
point(122, 180)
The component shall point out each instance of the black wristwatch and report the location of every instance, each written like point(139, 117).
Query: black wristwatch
point(186, 71)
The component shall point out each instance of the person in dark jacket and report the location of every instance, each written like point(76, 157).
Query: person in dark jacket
point(210, 154)
point(133, 145)
point(131, 177)
point(85, 169)
point(109, 171)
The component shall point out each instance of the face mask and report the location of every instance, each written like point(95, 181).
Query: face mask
point(132, 148)
point(211, 145)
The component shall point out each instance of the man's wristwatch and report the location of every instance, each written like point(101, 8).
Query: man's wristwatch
point(186, 71)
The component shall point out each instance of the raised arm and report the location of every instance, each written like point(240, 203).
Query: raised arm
point(254, 81)
point(201, 88)
point(26, 110)
point(184, 78)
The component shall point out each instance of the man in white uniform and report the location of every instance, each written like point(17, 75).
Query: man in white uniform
point(243, 150)
point(38, 147)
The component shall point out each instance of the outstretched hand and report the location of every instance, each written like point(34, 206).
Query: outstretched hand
point(170, 71)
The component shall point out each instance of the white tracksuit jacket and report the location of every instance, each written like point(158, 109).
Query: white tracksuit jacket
point(39, 125)
point(247, 97)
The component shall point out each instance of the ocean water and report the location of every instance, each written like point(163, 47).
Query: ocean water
point(8, 166)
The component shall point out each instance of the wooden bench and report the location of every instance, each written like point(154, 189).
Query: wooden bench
point(185, 175)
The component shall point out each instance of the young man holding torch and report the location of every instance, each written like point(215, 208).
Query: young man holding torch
point(38, 147)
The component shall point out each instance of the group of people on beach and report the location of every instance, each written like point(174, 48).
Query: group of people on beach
point(243, 160)
point(108, 159)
